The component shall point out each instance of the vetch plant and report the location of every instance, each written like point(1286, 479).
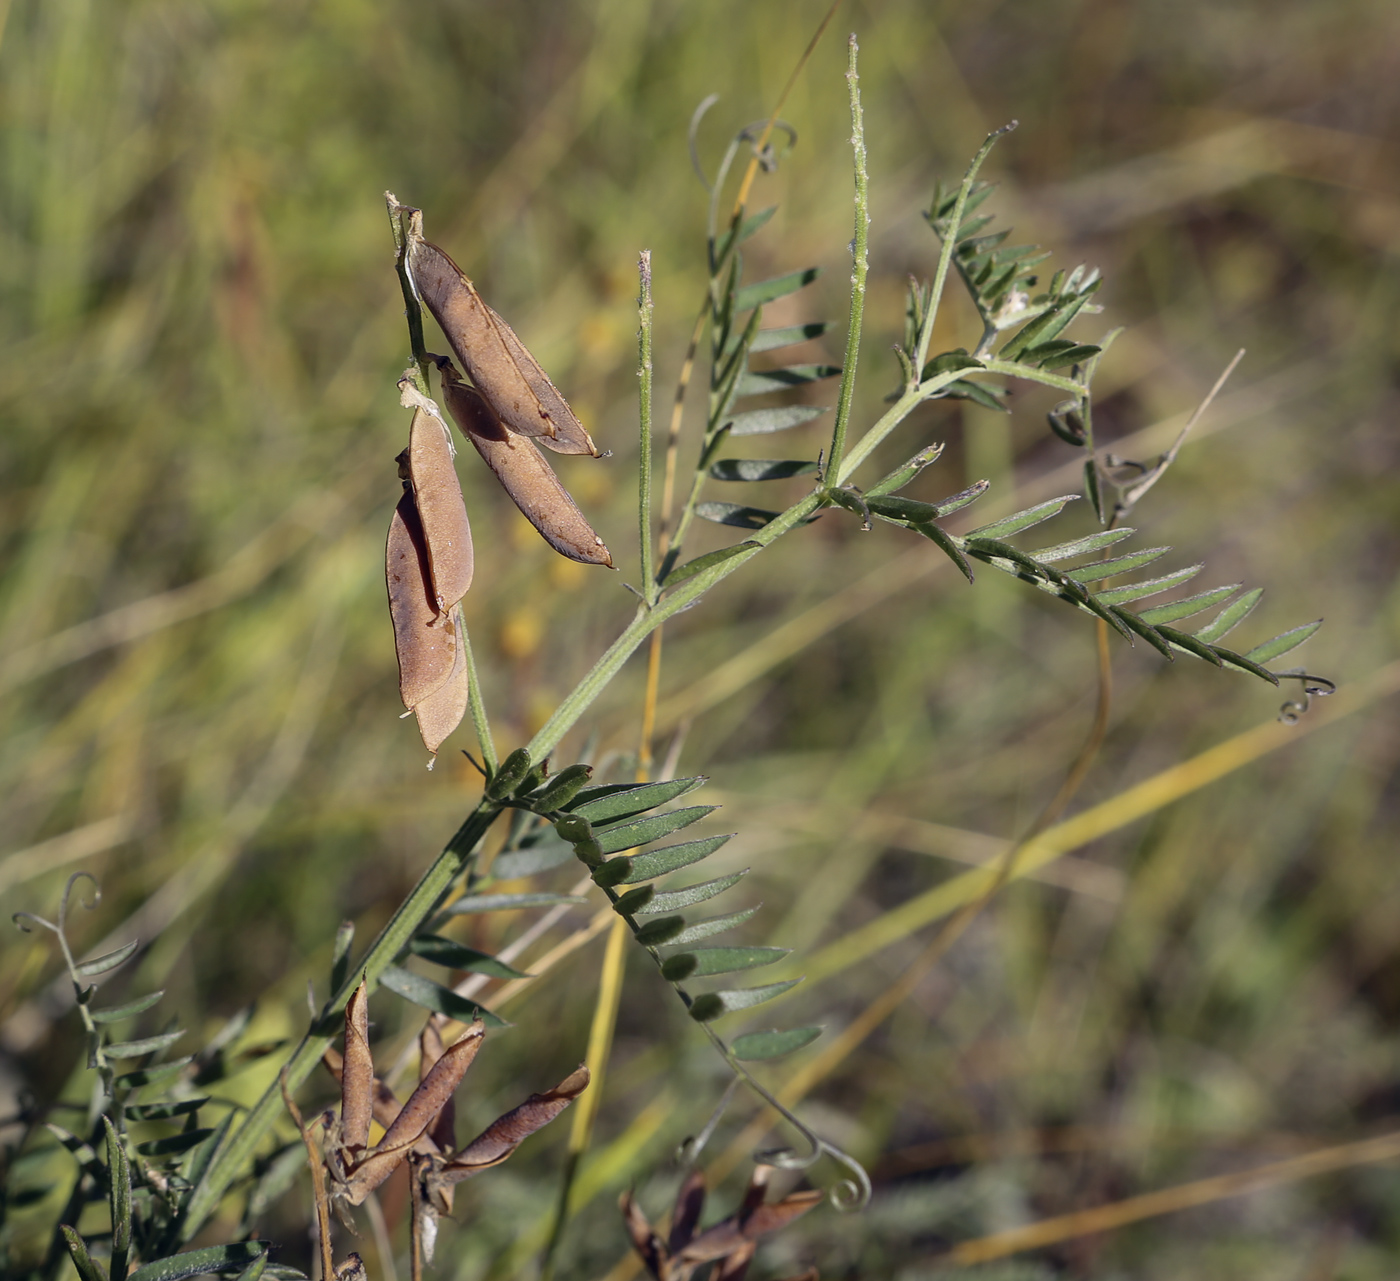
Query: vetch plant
point(161, 1193)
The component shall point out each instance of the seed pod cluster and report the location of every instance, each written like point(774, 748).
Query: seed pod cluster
point(511, 405)
point(428, 565)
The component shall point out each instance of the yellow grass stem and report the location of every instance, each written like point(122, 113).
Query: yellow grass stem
point(1104, 1218)
point(1137, 802)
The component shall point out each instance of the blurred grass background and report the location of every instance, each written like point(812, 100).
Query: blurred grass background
point(199, 339)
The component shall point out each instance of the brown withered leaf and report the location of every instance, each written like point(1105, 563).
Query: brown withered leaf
point(437, 494)
point(442, 711)
point(524, 473)
point(505, 373)
point(424, 641)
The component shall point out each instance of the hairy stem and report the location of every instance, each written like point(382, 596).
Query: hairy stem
point(860, 269)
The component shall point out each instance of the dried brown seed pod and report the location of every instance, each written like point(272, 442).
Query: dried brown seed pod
point(505, 373)
point(424, 640)
point(442, 711)
point(438, 495)
point(523, 471)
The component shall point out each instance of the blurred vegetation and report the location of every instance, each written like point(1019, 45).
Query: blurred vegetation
point(199, 338)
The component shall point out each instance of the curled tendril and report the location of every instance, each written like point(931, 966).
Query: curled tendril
point(695, 119)
point(688, 1151)
point(67, 894)
point(850, 1193)
point(767, 156)
point(22, 919)
point(1313, 687)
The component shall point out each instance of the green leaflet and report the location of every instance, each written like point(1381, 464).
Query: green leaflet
point(454, 956)
point(671, 858)
point(541, 856)
point(433, 996)
point(709, 926)
point(119, 1200)
point(642, 831)
point(148, 1045)
point(1282, 643)
point(747, 228)
point(194, 1263)
point(109, 961)
point(901, 476)
point(773, 1044)
point(194, 1165)
point(173, 1143)
point(1102, 569)
point(714, 1004)
point(88, 1268)
point(693, 567)
point(947, 546)
point(1230, 617)
point(760, 422)
point(623, 800)
point(907, 510)
point(509, 902)
point(156, 1072)
point(770, 339)
point(1148, 633)
point(726, 960)
point(677, 900)
point(761, 468)
point(735, 514)
point(164, 1111)
point(1187, 644)
point(1014, 524)
point(956, 502)
point(1148, 586)
point(1081, 546)
point(762, 382)
point(115, 1013)
point(663, 930)
point(765, 291)
point(1189, 605)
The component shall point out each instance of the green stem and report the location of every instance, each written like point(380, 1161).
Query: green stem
point(644, 315)
point(477, 705)
point(945, 256)
point(236, 1156)
point(566, 715)
point(1028, 374)
point(860, 253)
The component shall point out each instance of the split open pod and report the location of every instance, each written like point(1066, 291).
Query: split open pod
point(428, 564)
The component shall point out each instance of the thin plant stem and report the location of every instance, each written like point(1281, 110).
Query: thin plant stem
point(600, 1042)
point(476, 704)
point(945, 256)
point(644, 327)
point(412, 311)
point(860, 269)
